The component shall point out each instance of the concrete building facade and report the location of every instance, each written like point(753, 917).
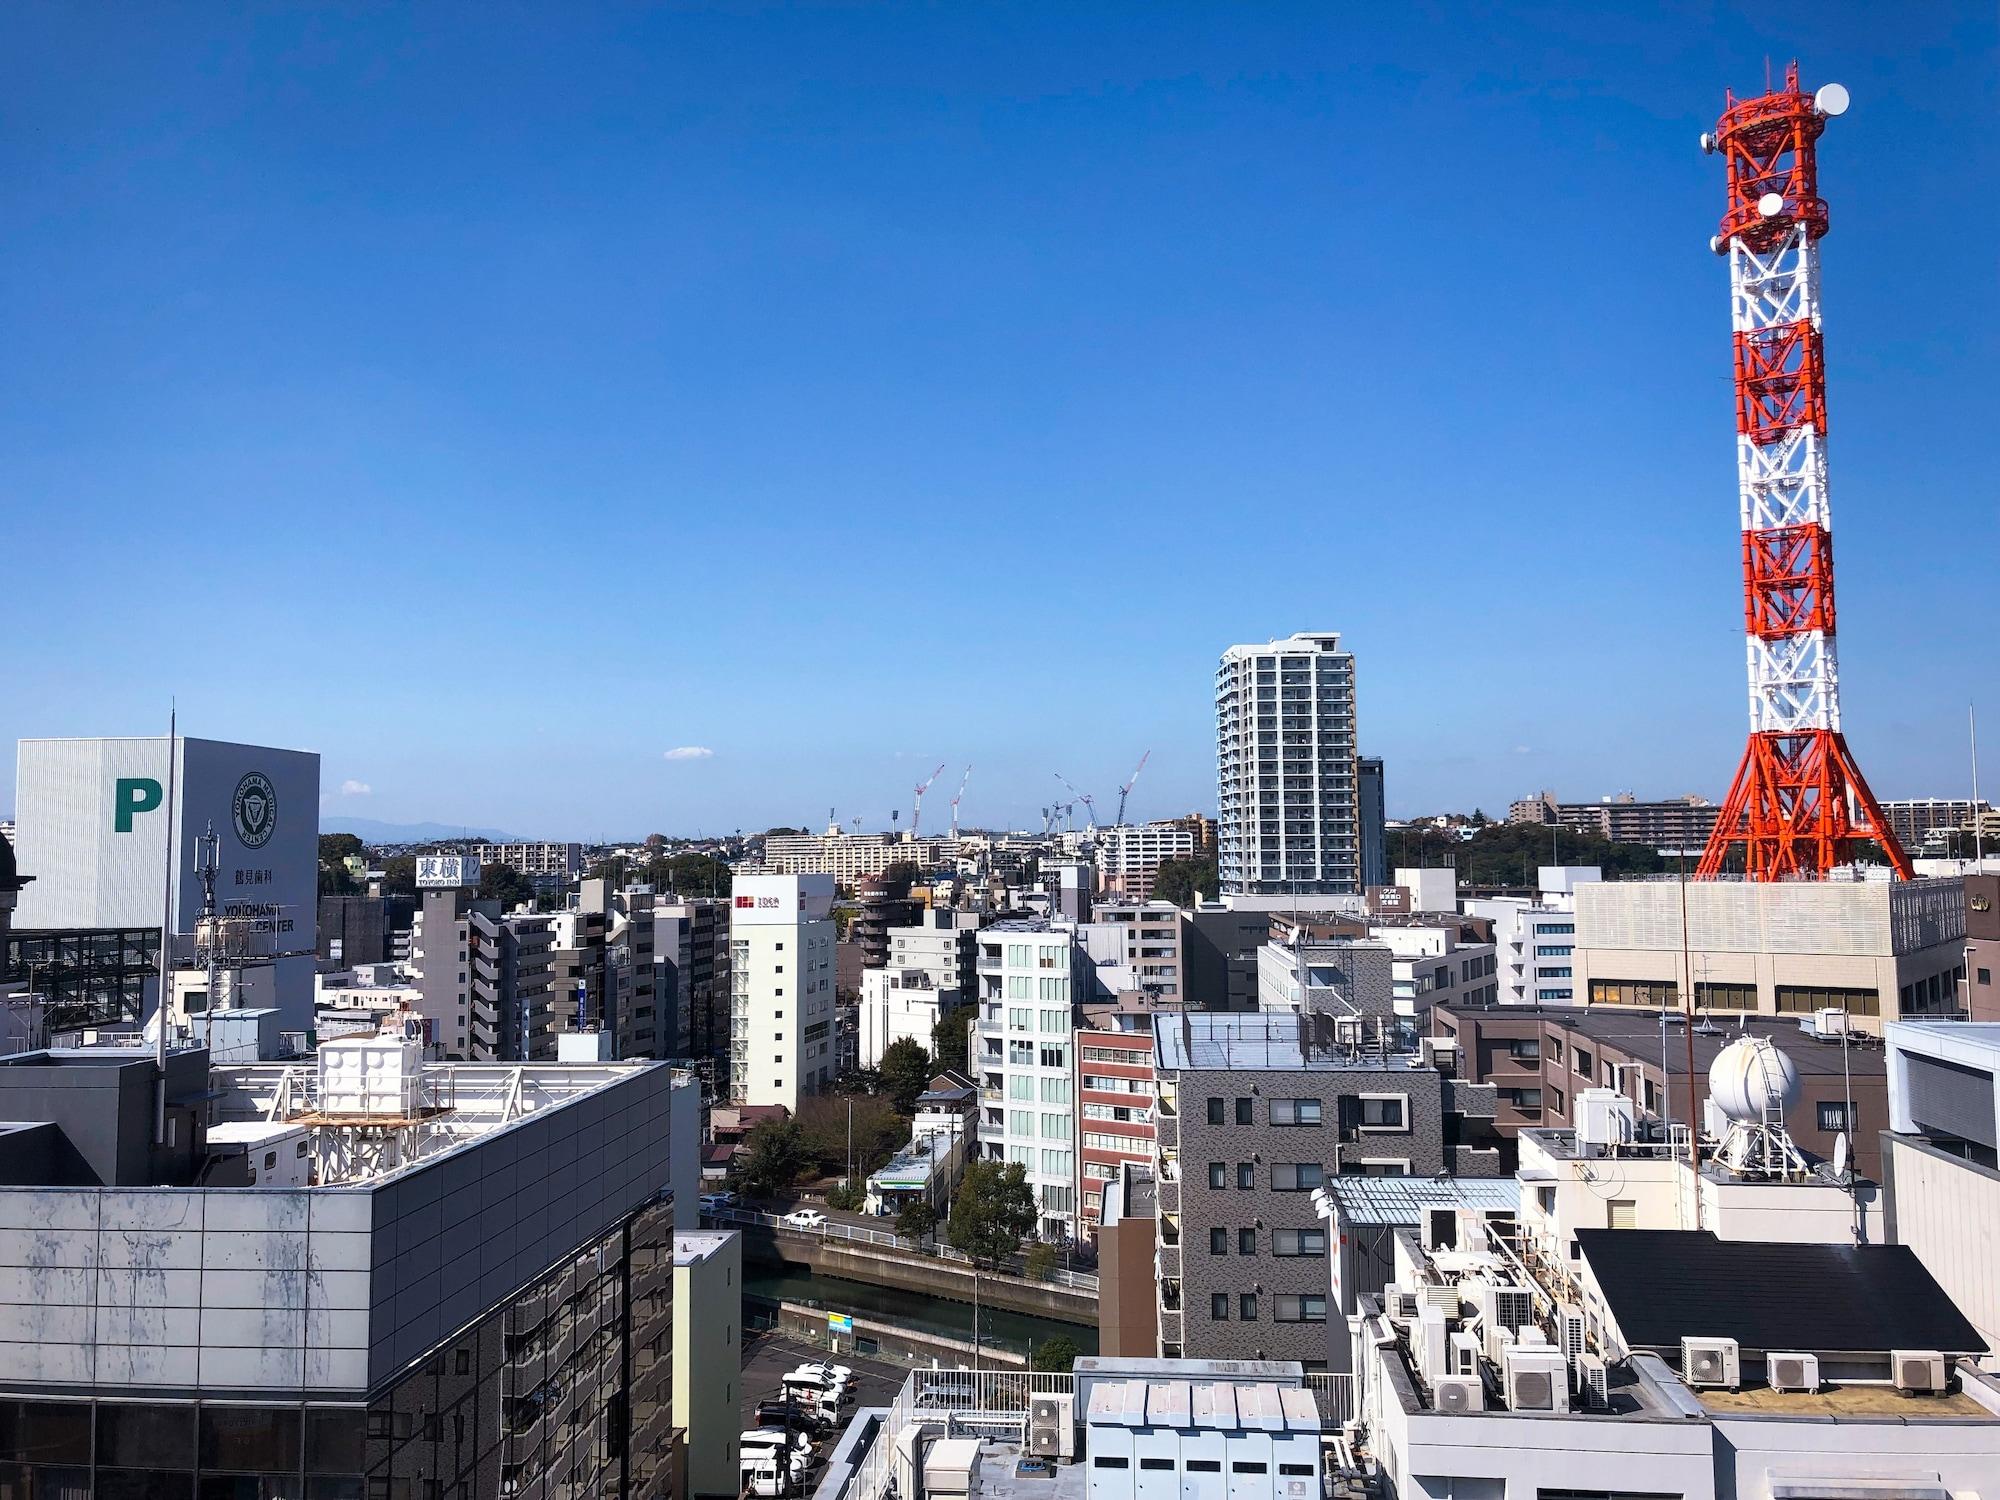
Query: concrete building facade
point(1255, 1112)
point(1149, 940)
point(781, 940)
point(1287, 775)
point(1128, 857)
point(708, 1356)
point(1032, 974)
point(1880, 949)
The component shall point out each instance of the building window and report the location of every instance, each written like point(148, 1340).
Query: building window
point(1288, 1309)
point(1554, 950)
point(1243, 1112)
point(1556, 1098)
point(1298, 1242)
point(1215, 1114)
point(1218, 1174)
point(1725, 996)
point(1805, 999)
point(1295, 1111)
point(1555, 1051)
point(1246, 1176)
point(1296, 1177)
point(1218, 1242)
point(1246, 1242)
point(1524, 1049)
point(1246, 1307)
point(1833, 1115)
point(1527, 1101)
point(1657, 994)
point(1384, 1111)
point(1218, 1306)
point(1583, 1062)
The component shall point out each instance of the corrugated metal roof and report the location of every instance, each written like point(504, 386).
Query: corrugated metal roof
point(1402, 1200)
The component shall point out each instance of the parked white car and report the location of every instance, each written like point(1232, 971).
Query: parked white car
point(805, 1218)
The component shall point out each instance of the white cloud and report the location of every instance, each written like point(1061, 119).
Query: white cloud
point(1524, 749)
point(355, 789)
point(689, 752)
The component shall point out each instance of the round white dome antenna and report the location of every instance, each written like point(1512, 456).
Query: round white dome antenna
point(1753, 1083)
point(1831, 99)
point(1771, 205)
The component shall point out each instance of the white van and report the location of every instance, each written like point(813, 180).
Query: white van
point(761, 1477)
point(773, 1440)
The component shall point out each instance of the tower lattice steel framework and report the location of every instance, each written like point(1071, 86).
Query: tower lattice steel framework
point(1798, 806)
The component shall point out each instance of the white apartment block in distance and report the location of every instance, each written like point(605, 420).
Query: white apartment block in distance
point(549, 861)
point(1287, 793)
point(1129, 857)
point(781, 935)
point(1031, 974)
point(1534, 939)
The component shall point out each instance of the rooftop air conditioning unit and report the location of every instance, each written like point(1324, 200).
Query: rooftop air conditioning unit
point(1537, 1380)
point(1711, 1362)
point(1593, 1382)
point(1052, 1426)
point(1506, 1306)
point(1917, 1369)
point(1499, 1340)
point(1604, 1117)
point(1398, 1303)
point(1459, 1393)
point(1464, 1353)
point(1792, 1372)
point(1829, 1022)
point(1569, 1331)
point(1444, 1298)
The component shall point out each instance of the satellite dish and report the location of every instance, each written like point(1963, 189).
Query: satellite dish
point(1840, 1141)
point(1707, 144)
point(1715, 243)
point(1831, 99)
point(1771, 205)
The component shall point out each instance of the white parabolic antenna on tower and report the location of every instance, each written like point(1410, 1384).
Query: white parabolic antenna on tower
point(1751, 1077)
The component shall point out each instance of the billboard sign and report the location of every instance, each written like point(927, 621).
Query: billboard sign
point(444, 871)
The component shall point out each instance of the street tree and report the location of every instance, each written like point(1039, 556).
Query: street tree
point(993, 1211)
point(775, 1153)
point(906, 1072)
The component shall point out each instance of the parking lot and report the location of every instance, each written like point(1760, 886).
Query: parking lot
point(766, 1357)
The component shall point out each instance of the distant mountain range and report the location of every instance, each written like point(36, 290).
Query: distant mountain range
point(373, 831)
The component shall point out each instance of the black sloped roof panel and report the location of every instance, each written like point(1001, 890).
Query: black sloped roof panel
point(1663, 1285)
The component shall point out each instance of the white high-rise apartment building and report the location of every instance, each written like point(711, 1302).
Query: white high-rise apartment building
point(1032, 973)
point(1286, 771)
point(781, 1041)
point(1129, 857)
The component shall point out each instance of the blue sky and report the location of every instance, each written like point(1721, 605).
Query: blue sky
point(494, 398)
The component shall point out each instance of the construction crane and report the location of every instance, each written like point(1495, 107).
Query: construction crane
point(917, 812)
point(1126, 790)
point(1089, 805)
point(955, 801)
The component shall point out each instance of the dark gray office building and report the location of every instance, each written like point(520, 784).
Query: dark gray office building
point(1255, 1112)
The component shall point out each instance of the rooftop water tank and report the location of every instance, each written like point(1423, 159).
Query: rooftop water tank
point(1750, 1077)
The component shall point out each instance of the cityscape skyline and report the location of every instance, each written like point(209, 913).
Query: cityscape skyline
point(563, 460)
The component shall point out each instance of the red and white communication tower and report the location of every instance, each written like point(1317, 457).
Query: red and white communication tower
point(1799, 805)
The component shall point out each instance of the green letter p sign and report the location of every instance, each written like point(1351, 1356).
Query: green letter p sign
point(135, 794)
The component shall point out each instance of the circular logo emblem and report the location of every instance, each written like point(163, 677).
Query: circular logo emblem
point(255, 808)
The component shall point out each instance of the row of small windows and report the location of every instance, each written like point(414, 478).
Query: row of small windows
point(1792, 999)
point(1285, 1243)
point(1371, 1111)
point(1284, 1309)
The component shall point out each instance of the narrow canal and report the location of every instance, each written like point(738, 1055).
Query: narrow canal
point(938, 1315)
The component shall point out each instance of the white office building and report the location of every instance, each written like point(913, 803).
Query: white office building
point(1534, 938)
point(94, 833)
point(898, 1004)
point(1032, 974)
point(781, 935)
point(1287, 792)
point(544, 860)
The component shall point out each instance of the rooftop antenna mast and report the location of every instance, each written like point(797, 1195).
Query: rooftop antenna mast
point(166, 938)
point(1799, 806)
